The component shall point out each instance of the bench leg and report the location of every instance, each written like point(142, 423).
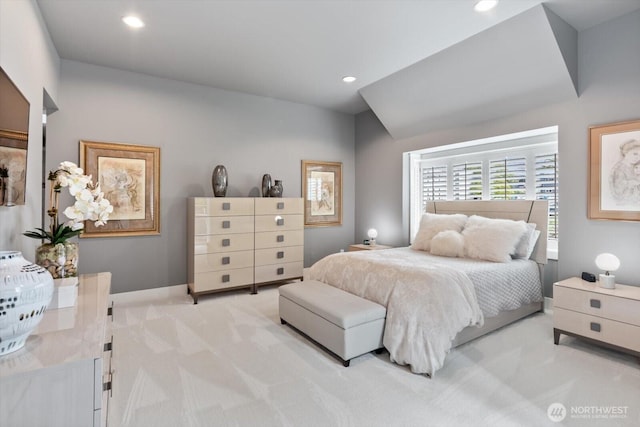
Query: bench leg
point(282, 321)
point(346, 363)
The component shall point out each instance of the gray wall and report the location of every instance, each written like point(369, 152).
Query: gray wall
point(609, 83)
point(32, 64)
point(196, 128)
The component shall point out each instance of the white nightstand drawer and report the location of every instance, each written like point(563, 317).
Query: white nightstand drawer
point(610, 331)
point(597, 304)
point(279, 206)
point(223, 243)
point(223, 260)
point(223, 225)
point(223, 206)
point(279, 255)
point(276, 239)
point(274, 272)
point(223, 279)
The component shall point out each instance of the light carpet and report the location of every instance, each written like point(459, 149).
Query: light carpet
point(228, 361)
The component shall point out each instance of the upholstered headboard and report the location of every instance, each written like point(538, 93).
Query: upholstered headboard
point(535, 211)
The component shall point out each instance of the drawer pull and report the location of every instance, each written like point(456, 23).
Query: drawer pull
point(595, 303)
point(225, 278)
point(280, 271)
point(110, 311)
point(226, 260)
point(108, 346)
point(226, 242)
point(280, 255)
point(280, 238)
point(226, 224)
point(280, 221)
point(106, 386)
point(226, 206)
point(280, 205)
point(595, 327)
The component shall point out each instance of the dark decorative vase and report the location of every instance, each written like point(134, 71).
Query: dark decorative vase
point(266, 185)
point(219, 181)
point(276, 189)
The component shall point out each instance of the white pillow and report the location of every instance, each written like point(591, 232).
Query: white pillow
point(522, 248)
point(492, 239)
point(432, 224)
point(448, 243)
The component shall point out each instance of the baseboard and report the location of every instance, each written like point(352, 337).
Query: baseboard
point(548, 305)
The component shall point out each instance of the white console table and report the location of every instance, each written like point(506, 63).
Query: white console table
point(62, 376)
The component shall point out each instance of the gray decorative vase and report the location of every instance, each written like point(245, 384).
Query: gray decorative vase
point(266, 185)
point(219, 181)
point(276, 189)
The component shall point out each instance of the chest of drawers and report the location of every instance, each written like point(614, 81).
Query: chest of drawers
point(609, 317)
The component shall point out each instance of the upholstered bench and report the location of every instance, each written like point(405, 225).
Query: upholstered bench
point(343, 323)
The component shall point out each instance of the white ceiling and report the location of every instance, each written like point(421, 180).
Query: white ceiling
point(295, 50)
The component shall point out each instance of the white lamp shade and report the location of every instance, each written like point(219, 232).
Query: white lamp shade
point(372, 233)
point(607, 262)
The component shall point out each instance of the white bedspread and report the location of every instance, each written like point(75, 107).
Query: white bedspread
point(427, 304)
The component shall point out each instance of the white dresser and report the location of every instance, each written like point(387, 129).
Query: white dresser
point(609, 317)
point(239, 242)
point(62, 376)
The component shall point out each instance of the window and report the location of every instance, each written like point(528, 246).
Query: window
point(511, 167)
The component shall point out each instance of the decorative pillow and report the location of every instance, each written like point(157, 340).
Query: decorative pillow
point(448, 243)
point(532, 243)
point(432, 224)
point(522, 248)
point(492, 239)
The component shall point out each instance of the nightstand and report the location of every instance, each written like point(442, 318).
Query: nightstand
point(609, 317)
point(367, 247)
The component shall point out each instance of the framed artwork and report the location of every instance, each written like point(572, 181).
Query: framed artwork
point(129, 176)
point(322, 193)
point(614, 171)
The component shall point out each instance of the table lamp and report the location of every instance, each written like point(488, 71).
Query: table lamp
point(607, 262)
point(372, 233)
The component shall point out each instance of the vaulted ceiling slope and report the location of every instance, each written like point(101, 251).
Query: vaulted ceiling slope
point(527, 61)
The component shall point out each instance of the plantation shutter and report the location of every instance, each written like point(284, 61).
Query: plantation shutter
point(467, 181)
point(434, 184)
point(547, 188)
point(508, 178)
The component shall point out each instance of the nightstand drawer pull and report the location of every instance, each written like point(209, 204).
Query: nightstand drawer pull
point(280, 255)
point(595, 303)
point(280, 238)
point(280, 271)
point(226, 224)
point(226, 206)
point(595, 327)
point(107, 346)
point(225, 278)
point(226, 260)
point(280, 221)
point(226, 242)
point(280, 205)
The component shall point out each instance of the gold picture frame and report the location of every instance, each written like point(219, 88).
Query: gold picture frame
point(129, 176)
point(614, 171)
point(322, 193)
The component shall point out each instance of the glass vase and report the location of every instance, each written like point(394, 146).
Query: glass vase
point(61, 259)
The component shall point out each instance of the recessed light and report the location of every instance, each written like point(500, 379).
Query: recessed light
point(485, 5)
point(133, 21)
point(348, 79)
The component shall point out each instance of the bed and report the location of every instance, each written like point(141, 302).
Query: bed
point(437, 302)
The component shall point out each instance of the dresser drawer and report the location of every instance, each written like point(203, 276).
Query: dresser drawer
point(223, 225)
point(223, 260)
point(279, 255)
point(277, 239)
point(610, 331)
point(223, 279)
point(274, 272)
point(279, 222)
point(223, 206)
point(597, 304)
point(225, 243)
point(279, 206)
